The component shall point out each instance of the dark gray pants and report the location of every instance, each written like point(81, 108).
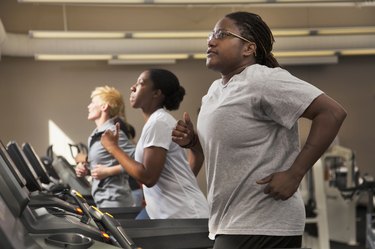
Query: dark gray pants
point(256, 242)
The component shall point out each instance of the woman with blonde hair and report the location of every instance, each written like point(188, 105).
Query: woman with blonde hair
point(110, 187)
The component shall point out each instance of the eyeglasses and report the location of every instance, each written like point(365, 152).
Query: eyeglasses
point(222, 34)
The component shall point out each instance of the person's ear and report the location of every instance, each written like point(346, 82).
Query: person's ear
point(250, 49)
point(158, 93)
point(104, 107)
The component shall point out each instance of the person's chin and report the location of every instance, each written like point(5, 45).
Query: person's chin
point(133, 105)
point(211, 65)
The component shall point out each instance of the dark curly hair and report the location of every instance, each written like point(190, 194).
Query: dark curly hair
point(169, 85)
point(255, 29)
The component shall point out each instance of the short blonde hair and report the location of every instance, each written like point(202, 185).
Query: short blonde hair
point(112, 97)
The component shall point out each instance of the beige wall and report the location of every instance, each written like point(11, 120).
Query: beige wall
point(31, 93)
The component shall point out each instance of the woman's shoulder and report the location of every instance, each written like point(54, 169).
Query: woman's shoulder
point(161, 118)
point(162, 115)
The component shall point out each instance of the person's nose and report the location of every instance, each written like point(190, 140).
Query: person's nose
point(211, 42)
point(132, 88)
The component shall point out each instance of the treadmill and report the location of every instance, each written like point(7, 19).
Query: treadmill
point(43, 175)
point(50, 183)
point(14, 235)
point(161, 233)
point(39, 196)
point(40, 220)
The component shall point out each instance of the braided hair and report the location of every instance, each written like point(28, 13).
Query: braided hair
point(253, 28)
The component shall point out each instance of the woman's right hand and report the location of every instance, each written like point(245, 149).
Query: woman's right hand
point(110, 138)
point(183, 134)
point(81, 169)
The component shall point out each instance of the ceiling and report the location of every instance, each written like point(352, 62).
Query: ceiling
point(18, 19)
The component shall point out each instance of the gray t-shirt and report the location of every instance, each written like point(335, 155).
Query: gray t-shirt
point(113, 191)
point(248, 129)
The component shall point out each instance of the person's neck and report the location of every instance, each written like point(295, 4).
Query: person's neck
point(226, 76)
point(100, 121)
point(147, 113)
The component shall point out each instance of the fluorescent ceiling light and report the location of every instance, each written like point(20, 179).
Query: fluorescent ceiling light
point(147, 1)
point(141, 62)
point(83, 1)
point(76, 34)
point(72, 57)
point(312, 1)
point(202, 2)
point(325, 56)
point(304, 53)
point(152, 56)
point(170, 35)
point(117, 34)
point(191, 34)
point(345, 31)
point(370, 51)
point(286, 54)
point(307, 53)
point(208, 1)
point(291, 32)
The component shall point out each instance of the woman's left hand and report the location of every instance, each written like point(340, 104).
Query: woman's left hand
point(100, 172)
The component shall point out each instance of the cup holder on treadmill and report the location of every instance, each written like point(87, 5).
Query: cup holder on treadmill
point(69, 240)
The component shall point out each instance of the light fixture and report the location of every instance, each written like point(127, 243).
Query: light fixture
point(288, 54)
point(84, 1)
point(312, 1)
point(147, 59)
point(368, 51)
point(141, 62)
point(169, 35)
point(356, 3)
point(76, 34)
point(301, 57)
point(281, 54)
point(191, 34)
point(152, 56)
point(291, 32)
point(199, 56)
point(117, 34)
point(147, 1)
point(346, 30)
point(290, 3)
point(71, 57)
point(206, 1)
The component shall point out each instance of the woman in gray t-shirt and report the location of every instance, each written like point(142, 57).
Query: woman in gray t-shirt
point(247, 135)
point(110, 187)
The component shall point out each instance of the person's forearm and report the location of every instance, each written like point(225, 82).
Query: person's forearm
point(196, 158)
point(115, 170)
point(132, 167)
point(125, 161)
